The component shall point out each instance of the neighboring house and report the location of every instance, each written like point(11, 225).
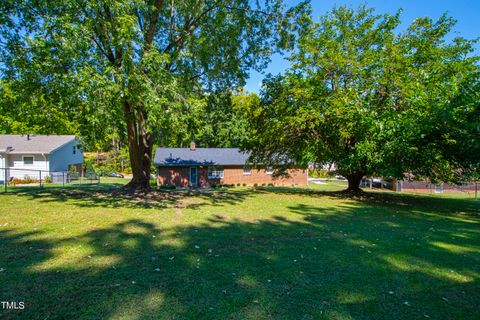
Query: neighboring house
point(33, 155)
point(202, 167)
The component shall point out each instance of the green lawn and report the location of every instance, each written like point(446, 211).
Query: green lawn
point(84, 252)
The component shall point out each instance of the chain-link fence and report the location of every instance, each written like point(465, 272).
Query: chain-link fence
point(470, 189)
point(14, 178)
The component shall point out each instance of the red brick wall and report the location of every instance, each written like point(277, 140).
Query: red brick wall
point(179, 177)
point(234, 175)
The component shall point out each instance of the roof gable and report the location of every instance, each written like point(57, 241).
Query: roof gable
point(199, 156)
point(33, 143)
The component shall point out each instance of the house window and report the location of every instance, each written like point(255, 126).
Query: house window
point(247, 170)
point(269, 170)
point(215, 172)
point(27, 160)
point(438, 188)
point(74, 150)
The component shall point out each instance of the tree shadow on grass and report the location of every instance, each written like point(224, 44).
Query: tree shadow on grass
point(388, 199)
point(344, 262)
point(111, 196)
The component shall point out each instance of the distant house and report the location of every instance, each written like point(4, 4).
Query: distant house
point(25, 155)
point(202, 167)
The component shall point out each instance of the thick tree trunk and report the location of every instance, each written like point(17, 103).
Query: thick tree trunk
point(354, 180)
point(140, 144)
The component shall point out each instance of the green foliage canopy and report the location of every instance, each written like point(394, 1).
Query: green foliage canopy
point(134, 66)
point(373, 101)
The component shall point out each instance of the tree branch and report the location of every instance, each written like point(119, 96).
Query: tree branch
point(188, 29)
point(173, 26)
point(117, 55)
point(102, 50)
point(102, 41)
point(152, 24)
point(141, 24)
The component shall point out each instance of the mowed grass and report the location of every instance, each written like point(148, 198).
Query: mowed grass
point(87, 252)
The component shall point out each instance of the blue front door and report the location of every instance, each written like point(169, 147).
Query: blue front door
point(193, 176)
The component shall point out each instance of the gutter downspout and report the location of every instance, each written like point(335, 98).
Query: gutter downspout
point(2, 160)
point(3, 168)
point(45, 158)
point(5, 164)
point(47, 171)
point(2, 153)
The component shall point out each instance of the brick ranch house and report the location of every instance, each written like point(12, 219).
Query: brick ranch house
point(202, 167)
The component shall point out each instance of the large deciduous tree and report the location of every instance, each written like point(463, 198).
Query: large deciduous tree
point(223, 120)
point(135, 62)
point(372, 100)
point(218, 119)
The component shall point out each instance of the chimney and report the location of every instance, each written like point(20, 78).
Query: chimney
point(192, 146)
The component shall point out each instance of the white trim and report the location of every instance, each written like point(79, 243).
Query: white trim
point(28, 156)
point(216, 169)
point(62, 145)
point(47, 163)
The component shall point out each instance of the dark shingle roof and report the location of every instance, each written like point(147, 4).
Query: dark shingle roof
point(200, 156)
point(34, 144)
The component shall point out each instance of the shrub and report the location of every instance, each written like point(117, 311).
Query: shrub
point(26, 180)
point(167, 187)
point(219, 185)
point(320, 173)
point(103, 171)
point(90, 171)
point(48, 179)
point(153, 183)
point(16, 181)
point(73, 176)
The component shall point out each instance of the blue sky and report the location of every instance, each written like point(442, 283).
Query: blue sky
point(466, 12)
